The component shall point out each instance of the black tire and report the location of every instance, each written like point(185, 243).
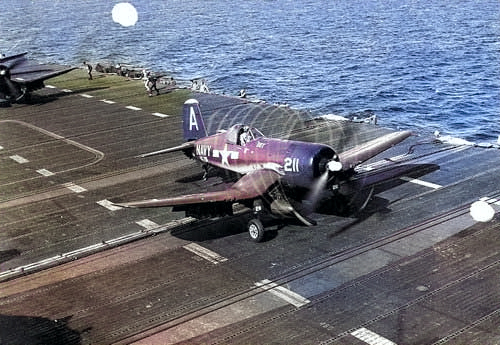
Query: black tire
point(256, 230)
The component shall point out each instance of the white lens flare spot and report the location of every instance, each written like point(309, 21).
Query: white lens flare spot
point(481, 211)
point(124, 14)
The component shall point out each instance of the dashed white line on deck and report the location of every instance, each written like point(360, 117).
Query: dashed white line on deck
point(421, 182)
point(370, 337)
point(109, 205)
point(160, 115)
point(489, 200)
point(147, 224)
point(283, 293)
point(45, 172)
point(19, 159)
point(74, 188)
point(205, 253)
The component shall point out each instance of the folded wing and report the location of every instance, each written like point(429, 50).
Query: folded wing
point(23, 71)
point(37, 73)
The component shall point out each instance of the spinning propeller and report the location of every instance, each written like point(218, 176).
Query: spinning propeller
point(311, 201)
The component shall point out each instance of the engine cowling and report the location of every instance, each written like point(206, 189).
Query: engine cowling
point(304, 163)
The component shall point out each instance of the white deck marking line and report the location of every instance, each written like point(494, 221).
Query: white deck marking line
point(98, 154)
point(1, 147)
point(67, 90)
point(45, 172)
point(86, 95)
point(160, 115)
point(420, 182)
point(74, 188)
point(205, 253)
point(50, 87)
point(109, 205)
point(131, 107)
point(283, 293)
point(147, 224)
point(489, 200)
point(107, 101)
point(13, 272)
point(370, 337)
point(19, 159)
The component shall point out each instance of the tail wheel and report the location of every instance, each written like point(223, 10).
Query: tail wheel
point(256, 230)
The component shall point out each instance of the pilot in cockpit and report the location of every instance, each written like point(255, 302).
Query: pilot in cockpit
point(245, 135)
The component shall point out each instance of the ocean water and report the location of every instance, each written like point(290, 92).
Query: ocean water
point(424, 65)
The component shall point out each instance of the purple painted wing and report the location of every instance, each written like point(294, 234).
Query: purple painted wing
point(357, 155)
point(250, 186)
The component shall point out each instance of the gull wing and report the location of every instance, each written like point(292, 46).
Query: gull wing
point(250, 186)
point(358, 154)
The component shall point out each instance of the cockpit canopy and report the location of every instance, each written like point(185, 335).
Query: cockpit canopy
point(233, 134)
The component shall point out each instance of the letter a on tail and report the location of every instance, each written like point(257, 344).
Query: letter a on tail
point(193, 125)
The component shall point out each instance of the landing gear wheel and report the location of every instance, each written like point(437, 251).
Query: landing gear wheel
point(256, 230)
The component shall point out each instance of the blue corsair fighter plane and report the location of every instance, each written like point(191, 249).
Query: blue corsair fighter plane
point(273, 176)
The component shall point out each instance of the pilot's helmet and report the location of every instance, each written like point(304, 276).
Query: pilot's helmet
point(246, 128)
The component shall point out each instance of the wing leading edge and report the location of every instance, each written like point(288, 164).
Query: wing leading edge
point(357, 155)
point(250, 186)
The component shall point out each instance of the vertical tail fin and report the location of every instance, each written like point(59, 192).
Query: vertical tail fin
point(193, 125)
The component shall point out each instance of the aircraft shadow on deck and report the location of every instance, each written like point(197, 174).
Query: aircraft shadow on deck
point(360, 205)
point(212, 229)
point(366, 202)
point(31, 330)
point(372, 183)
point(6, 255)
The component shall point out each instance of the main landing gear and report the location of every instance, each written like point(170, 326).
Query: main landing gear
point(256, 230)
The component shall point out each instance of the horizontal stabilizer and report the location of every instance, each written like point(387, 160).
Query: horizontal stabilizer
point(186, 146)
point(357, 155)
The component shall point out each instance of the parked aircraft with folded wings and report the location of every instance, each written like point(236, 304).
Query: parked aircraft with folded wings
point(19, 77)
point(275, 177)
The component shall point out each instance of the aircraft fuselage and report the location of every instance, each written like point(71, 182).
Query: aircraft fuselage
point(300, 163)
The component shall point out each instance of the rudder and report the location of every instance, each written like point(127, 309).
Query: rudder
point(193, 125)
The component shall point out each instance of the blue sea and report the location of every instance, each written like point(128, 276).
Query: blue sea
point(424, 65)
